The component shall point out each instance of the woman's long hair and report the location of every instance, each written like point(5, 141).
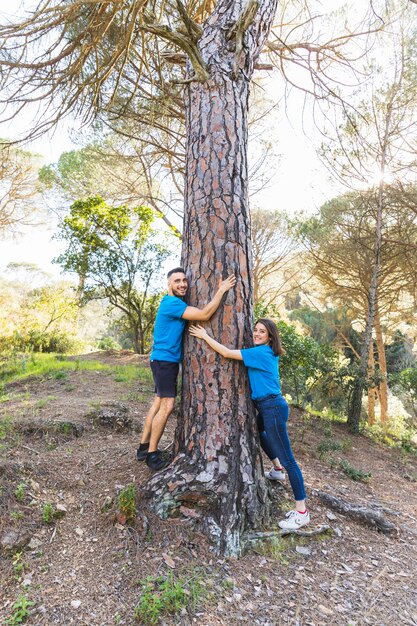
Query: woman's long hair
point(274, 340)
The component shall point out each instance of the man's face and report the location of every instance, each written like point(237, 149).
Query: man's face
point(177, 284)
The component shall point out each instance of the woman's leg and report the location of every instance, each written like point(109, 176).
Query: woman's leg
point(270, 453)
point(275, 415)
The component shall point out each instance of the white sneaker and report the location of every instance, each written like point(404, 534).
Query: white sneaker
point(295, 520)
point(274, 474)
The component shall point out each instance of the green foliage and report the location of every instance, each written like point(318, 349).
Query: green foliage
point(115, 251)
point(264, 309)
point(48, 513)
point(6, 426)
point(407, 381)
point(17, 515)
point(108, 343)
point(353, 472)
point(328, 445)
point(307, 365)
point(399, 354)
point(20, 492)
point(127, 502)
point(18, 565)
point(166, 595)
point(38, 341)
point(20, 611)
point(38, 319)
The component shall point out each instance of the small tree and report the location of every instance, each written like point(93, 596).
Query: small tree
point(115, 250)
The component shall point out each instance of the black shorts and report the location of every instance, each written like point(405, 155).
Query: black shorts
point(165, 374)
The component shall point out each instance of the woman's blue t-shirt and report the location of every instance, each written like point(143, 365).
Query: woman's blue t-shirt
point(263, 371)
point(168, 330)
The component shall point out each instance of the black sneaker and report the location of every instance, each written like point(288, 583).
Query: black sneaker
point(142, 451)
point(155, 461)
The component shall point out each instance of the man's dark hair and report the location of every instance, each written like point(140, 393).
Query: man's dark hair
point(175, 270)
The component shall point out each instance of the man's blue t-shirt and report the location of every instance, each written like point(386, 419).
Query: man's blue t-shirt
point(168, 330)
point(263, 371)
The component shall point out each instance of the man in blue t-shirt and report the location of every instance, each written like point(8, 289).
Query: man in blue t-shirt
point(166, 355)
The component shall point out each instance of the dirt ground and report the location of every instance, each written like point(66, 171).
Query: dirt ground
point(86, 568)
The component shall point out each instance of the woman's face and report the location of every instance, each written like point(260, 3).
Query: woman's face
point(260, 335)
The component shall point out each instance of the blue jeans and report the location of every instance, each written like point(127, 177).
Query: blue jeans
point(272, 420)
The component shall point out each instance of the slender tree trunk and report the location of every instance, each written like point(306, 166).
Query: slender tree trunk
point(137, 343)
point(360, 384)
point(218, 465)
point(382, 362)
point(371, 389)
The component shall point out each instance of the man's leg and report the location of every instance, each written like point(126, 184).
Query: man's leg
point(165, 376)
point(159, 422)
point(142, 451)
point(147, 428)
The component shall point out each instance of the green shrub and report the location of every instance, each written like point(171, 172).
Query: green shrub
point(328, 445)
point(127, 502)
point(20, 611)
point(20, 492)
point(353, 472)
point(37, 341)
point(48, 513)
point(166, 595)
point(108, 343)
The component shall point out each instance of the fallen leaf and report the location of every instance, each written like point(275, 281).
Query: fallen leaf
point(168, 560)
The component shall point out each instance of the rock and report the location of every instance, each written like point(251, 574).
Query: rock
point(114, 415)
point(75, 604)
point(34, 543)
point(330, 515)
point(60, 511)
point(302, 550)
point(33, 485)
point(14, 540)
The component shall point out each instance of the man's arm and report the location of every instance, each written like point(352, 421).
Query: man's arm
point(194, 314)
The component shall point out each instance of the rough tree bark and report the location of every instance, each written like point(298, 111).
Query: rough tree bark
point(217, 465)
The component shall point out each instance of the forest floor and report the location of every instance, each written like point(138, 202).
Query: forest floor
point(62, 455)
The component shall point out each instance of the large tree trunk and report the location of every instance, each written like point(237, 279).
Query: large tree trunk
point(218, 465)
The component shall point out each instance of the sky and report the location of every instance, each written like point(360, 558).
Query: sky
point(299, 182)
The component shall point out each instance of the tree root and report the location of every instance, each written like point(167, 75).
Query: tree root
point(365, 515)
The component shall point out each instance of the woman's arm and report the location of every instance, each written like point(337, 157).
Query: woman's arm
point(198, 331)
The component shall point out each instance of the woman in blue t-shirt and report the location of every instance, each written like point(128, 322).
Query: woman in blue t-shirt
point(262, 363)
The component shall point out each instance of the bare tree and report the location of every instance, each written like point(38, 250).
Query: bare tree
point(274, 252)
point(20, 199)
